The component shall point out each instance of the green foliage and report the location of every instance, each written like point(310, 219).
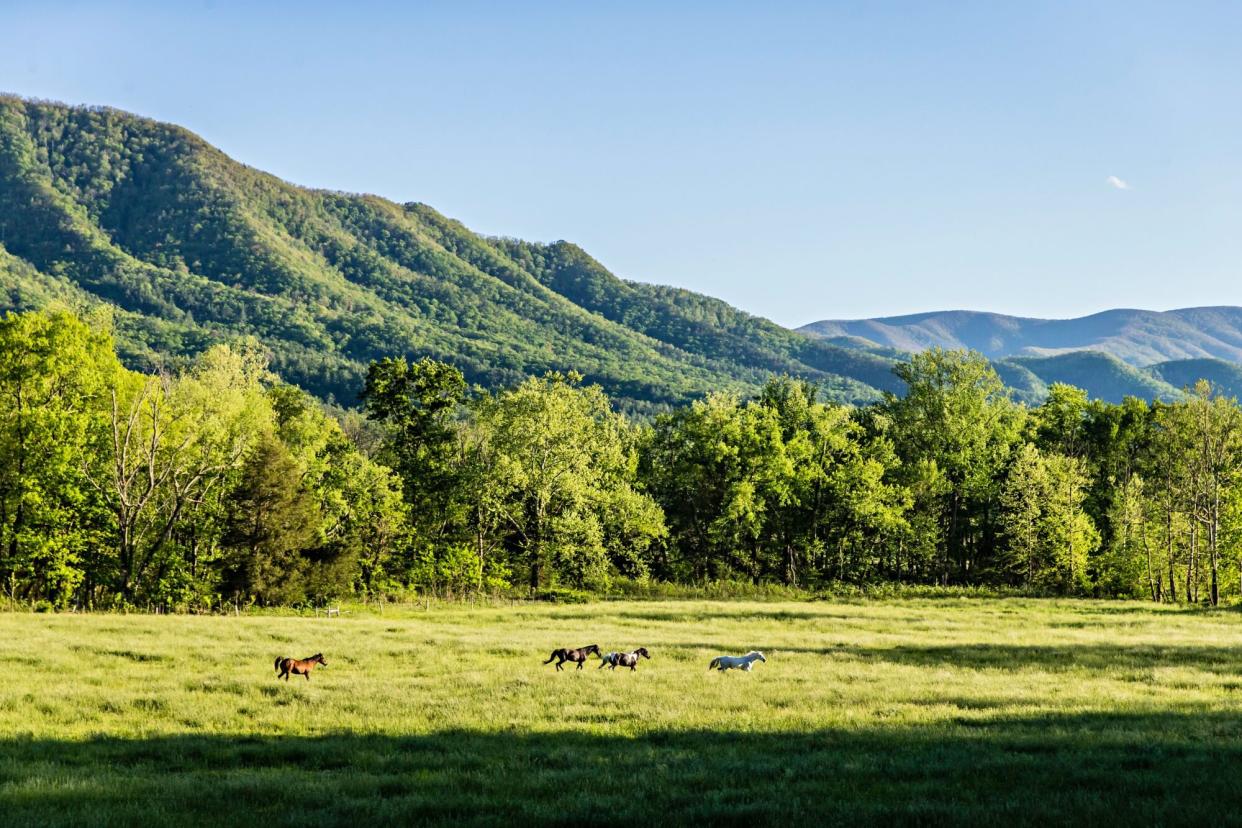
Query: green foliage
point(170, 489)
point(954, 431)
point(781, 487)
point(556, 475)
point(194, 249)
point(416, 404)
point(1101, 375)
point(271, 521)
point(1049, 534)
point(190, 249)
point(54, 374)
point(1225, 377)
point(215, 482)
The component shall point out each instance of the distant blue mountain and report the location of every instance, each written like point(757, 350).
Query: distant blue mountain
point(1138, 337)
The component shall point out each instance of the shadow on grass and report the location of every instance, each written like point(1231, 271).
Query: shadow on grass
point(1225, 661)
point(1054, 657)
point(1091, 768)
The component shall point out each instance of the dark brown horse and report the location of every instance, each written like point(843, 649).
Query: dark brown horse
point(298, 666)
point(629, 659)
point(579, 656)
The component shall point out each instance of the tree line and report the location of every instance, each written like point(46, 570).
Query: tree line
point(216, 483)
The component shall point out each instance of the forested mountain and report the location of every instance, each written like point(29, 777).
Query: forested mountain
point(1225, 377)
point(194, 248)
point(1101, 375)
point(1138, 337)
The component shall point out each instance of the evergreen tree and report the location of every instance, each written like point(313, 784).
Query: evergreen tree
point(271, 522)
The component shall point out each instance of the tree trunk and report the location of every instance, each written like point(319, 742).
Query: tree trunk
point(1151, 579)
point(1213, 535)
point(534, 571)
point(1192, 585)
point(1168, 537)
point(536, 548)
point(1215, 587)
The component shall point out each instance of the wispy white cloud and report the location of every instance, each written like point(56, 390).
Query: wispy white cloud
point(1118, 183)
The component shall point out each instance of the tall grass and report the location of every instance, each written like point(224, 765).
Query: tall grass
point(920, 710)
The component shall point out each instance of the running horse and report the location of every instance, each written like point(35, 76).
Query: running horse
point(628, 659)
point(578, 656)
point(298, 666)
point(742, 662)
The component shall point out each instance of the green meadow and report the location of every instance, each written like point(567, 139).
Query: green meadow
point(929, 711)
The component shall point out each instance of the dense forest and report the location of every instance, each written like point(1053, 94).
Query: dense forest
point(218, 483)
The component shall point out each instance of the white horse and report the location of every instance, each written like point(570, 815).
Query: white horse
point(744, 662)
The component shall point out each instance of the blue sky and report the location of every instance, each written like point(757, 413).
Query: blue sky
point(802, 161)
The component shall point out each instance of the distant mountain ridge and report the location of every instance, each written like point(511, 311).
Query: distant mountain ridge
point(1138, 337)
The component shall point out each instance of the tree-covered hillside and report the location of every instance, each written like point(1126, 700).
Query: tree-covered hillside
point(191, 248)
point(1101, 375)
point(1225, 377)
point(194, 248)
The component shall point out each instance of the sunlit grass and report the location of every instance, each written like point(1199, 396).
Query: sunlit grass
point(909, 711)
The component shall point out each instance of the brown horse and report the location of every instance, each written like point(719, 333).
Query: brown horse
point(578, 656)
point(298, 666)
point(629, 659)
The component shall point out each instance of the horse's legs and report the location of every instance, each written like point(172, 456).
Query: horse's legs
point(307, 674)
point(580, 663)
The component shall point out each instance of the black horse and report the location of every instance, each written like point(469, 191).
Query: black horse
point(578, 656)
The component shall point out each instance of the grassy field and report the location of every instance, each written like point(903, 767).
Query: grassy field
point(916, 711)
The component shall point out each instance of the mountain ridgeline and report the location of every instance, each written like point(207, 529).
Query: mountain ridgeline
point(1149, 354)
point(1138, 337)
point(191, 248)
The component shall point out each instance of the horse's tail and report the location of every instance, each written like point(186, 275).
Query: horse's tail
point(552, 657)
point(278, 660)
point(715, 663)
